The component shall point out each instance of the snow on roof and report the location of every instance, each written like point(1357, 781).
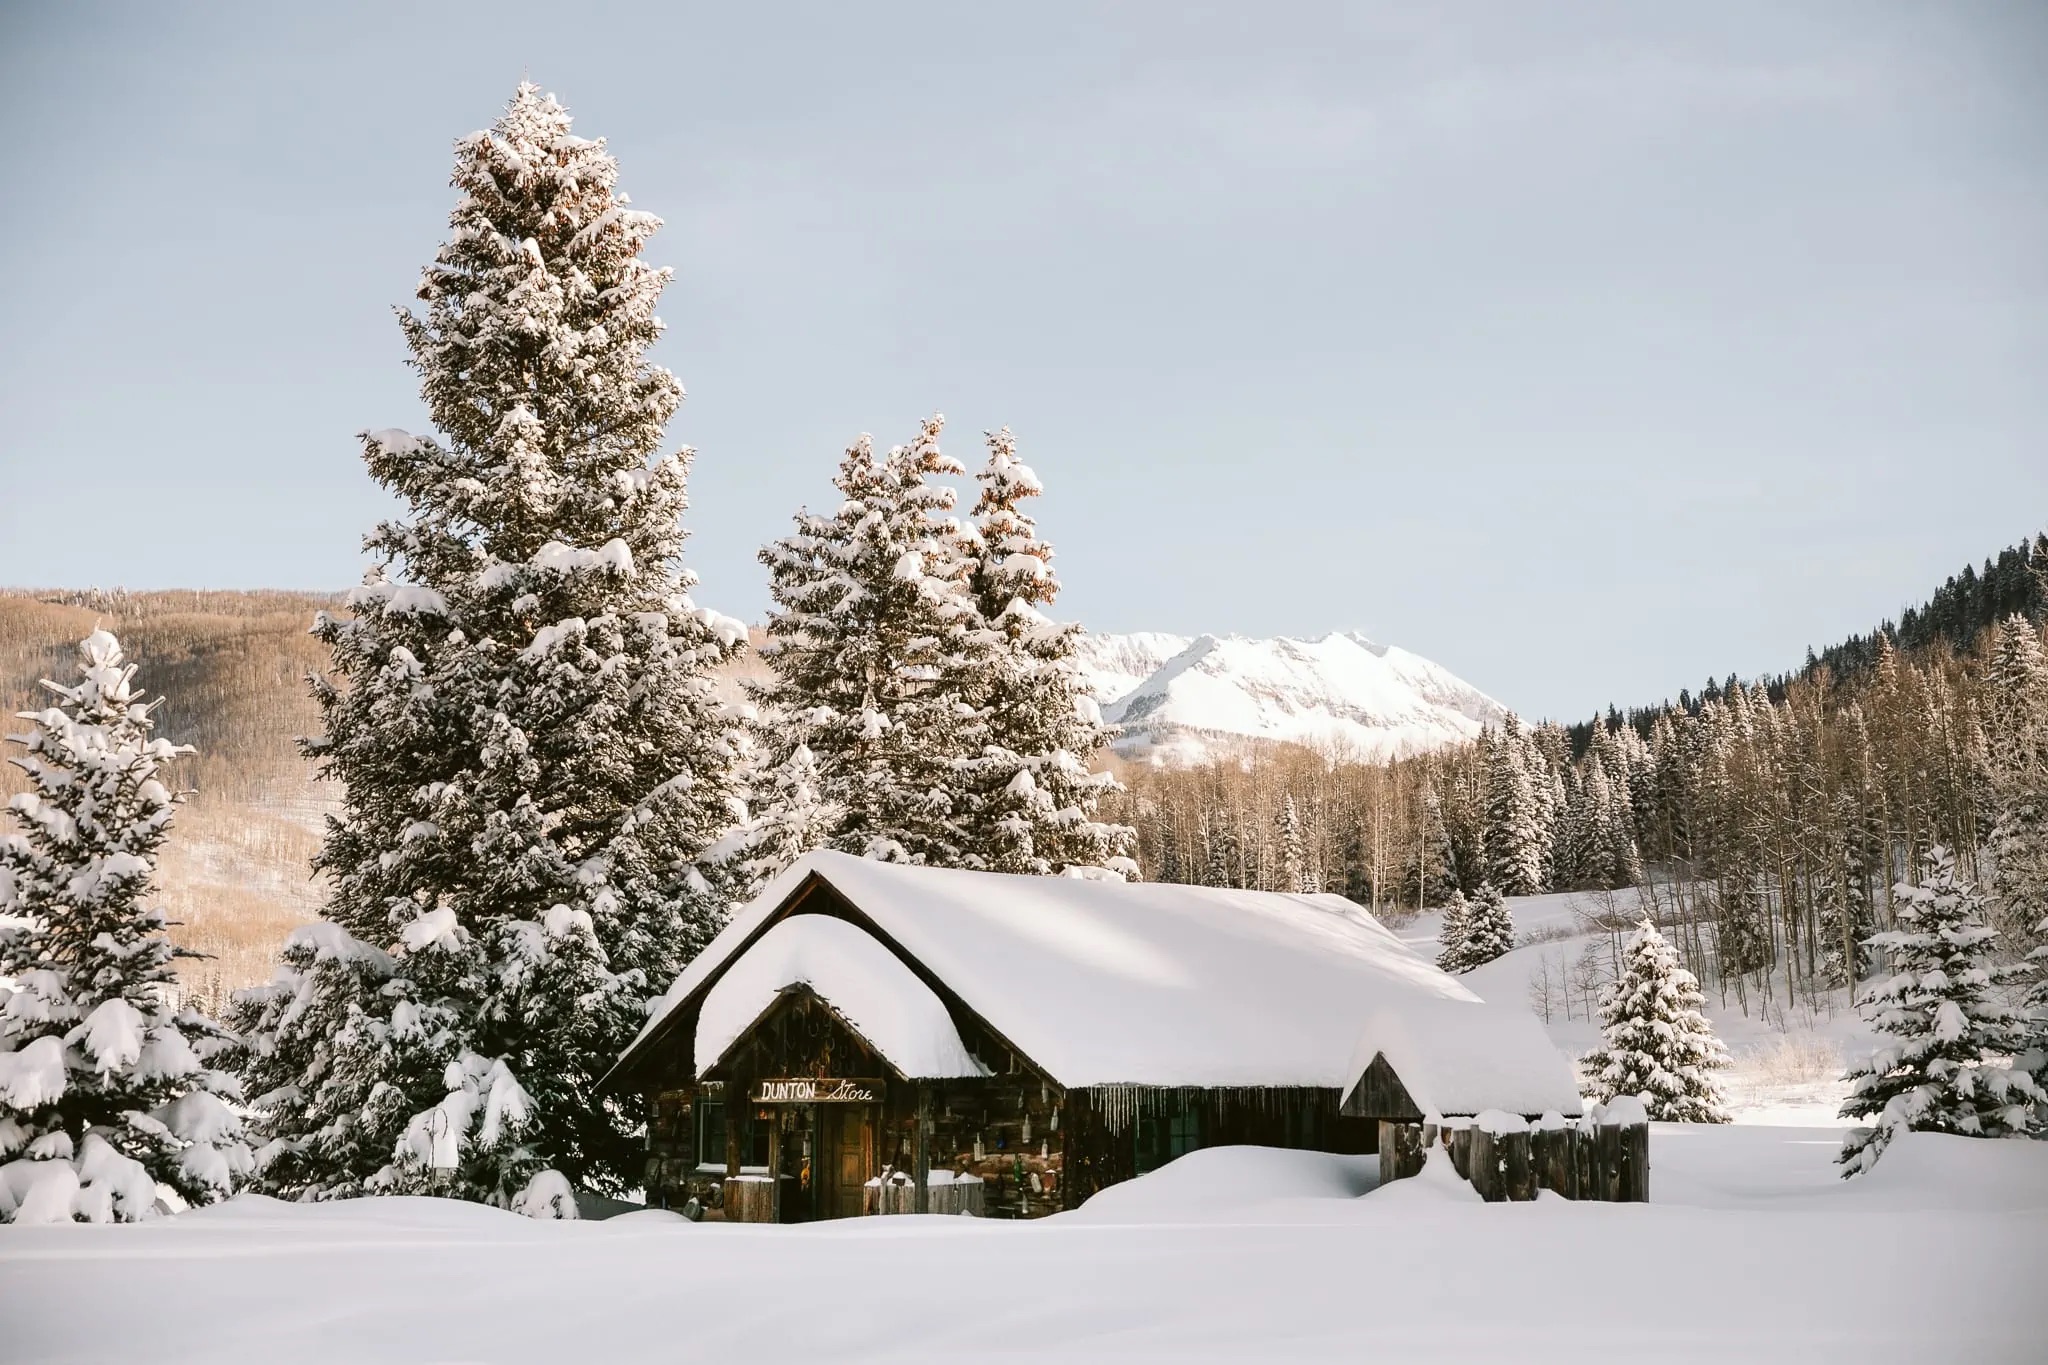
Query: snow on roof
point(867, 985)
point(1467, 1057)
point(1103, 982)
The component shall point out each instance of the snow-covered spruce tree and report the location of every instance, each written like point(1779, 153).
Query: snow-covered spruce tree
point(1657, 1042)
point(1489, 927)
point(871, 640)
point(1294, 875)
point(1514, 837)
point(315, 1042)
point(1949, 1069)
point(785, 818)
point(530, 753)
point(1451, 936)
point(107, 1087)
point(1033, 807)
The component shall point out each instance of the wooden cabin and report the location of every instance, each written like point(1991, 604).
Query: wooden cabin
point(869, 1036)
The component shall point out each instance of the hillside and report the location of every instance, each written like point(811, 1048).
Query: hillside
point(231, 668)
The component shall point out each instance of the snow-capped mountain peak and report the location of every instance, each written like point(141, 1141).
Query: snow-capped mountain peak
point(1339, 691)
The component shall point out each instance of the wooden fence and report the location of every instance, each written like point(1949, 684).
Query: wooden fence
point(1507, 1158)
point(946, 1193)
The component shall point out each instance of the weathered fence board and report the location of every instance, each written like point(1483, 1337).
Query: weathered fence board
point(1402, 1149)
point(750, 1199)
point(1460, 1142)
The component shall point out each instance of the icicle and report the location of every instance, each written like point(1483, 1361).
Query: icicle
point(1027, 1128)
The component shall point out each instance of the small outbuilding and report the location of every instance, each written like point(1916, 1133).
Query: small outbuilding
point(870, 1036)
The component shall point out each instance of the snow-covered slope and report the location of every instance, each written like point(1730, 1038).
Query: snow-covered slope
point(1116, 665)
point(1179, 699)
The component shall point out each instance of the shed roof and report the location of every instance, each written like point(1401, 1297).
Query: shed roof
point(1105, 982)
point(1466, 1057)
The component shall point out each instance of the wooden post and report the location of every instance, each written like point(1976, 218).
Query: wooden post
point(775, 1127)
point(1586, 1159)
point(732, 1141)
point(921, 1151)
point(1518, 1166)
point(1460, 1144)
point(1402, 1149)
point(1482, 1165)
point(1633, 1143)
point(1560, 1161)
point(1550, 1149)
point(1609, 1139)
point(750, 1199)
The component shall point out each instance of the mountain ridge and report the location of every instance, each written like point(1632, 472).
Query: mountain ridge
point(1339, 691)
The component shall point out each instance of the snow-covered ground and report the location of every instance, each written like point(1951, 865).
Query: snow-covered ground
point(1788, 1055)
point(1752, 1251)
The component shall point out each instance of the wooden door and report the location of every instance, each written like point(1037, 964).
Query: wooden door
point(850, 1151)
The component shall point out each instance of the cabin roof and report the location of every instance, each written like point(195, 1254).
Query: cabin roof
point(864, 983)
point(1460, 1057)
point(1103, 982)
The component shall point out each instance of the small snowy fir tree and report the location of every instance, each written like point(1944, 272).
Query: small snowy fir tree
point(1034, 809)
point(107, 1087)
point(1489, 927)
point(1294, 873)
point(1451, 954)
point(1949, 1069)
point(872, 634)
point(1658, 1044)
point(531, 754)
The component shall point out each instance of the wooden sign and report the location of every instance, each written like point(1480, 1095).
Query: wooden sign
point(818, 1090)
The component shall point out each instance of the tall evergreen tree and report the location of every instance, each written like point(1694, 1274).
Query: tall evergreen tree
point(1034, 805)
point(873, 639)
point(2016, 764)
point(1948, 1069)
point(1294, 874)
point(1514, 821)
point(1657, 1042)
point(530, 752)
point(787, 818)
point(107, 1086)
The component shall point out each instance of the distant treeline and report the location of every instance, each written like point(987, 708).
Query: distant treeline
point(1956, 617)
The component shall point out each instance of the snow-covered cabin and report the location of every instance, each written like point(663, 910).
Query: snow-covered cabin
point(1046, 1035)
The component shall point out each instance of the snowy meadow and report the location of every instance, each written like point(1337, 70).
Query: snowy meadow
point(1229, 1254)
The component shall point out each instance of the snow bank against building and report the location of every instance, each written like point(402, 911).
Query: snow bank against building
point(1456, 1057)
point(1218, 1184)
point(865, 984)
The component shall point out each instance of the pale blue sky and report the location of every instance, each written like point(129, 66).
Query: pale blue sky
point(1587, 349)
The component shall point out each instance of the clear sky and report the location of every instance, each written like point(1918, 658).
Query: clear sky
point(1586, 349)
